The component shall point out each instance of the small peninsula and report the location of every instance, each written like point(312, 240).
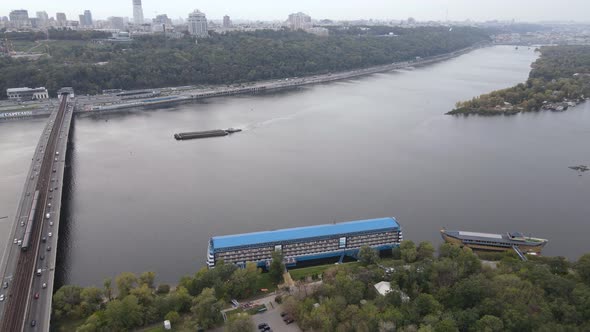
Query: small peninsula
point(558, 80)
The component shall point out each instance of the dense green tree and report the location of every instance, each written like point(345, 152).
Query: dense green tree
point(582, 266)
point(426, 304)
point(173, 317)
point(277, 267)
point(446, 325)
point(489, 323)
point(66, 302)
point(242, 282)
point(396, 253)
point(163, 289)
point(425, 250)
point(240, 323)
point(108, 290)
point(368, 255)
point(207, 309)
point(125, 282)
point(148, 279)
point(92, 298)
point(123, 314)
point(408, 251)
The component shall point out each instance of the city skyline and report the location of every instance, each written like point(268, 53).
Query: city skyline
point(422, 10)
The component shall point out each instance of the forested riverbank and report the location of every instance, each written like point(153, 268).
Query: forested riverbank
point(558, 80)
point(452, 291)
point(155, 61)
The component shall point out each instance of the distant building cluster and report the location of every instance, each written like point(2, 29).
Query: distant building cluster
point(197, 24)
point(301, 21)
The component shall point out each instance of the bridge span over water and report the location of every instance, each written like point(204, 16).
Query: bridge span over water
point(28, 266)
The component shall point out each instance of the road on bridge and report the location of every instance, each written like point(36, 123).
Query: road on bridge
point(20, 292)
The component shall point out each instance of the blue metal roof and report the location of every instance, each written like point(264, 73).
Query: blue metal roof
point(289, 234)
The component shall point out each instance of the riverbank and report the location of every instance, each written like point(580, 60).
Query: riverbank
point(553, 85)
point(179, 95)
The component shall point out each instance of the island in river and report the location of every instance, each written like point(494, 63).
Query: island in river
point(558, 80)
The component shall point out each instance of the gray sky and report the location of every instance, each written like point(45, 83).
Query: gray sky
point(521, 10)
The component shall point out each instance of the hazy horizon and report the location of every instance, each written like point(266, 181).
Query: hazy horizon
point(422, 10)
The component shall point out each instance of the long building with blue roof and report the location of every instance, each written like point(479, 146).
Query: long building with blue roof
point(305, 243)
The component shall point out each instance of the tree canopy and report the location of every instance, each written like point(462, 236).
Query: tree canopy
point(156, 61)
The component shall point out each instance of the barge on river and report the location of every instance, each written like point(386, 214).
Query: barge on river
point(495, 242)
point(205, 134)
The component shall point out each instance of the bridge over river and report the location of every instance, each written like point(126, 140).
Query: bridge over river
point(28, 265)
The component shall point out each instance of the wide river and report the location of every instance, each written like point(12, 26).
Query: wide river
point(376, 146)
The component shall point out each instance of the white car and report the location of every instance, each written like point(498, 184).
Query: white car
point(44, 285)
point(49, 234)
point(51, 223)
point(1, 297)
point(15, 241)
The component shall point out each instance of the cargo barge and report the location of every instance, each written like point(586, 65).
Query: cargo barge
point(495, 242)
point(205, 134)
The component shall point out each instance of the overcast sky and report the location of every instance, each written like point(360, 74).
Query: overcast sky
point(520, 10)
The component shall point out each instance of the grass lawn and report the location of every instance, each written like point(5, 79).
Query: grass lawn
point(22, 45)
point(302, 273)
point(264, 281)
point(181, 326)
point(67, 325)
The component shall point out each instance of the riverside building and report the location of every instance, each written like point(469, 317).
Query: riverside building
point(305, 243)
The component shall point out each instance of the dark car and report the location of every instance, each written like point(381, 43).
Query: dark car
point(263, 327)
point(33, 322)
point(42, 257)
point(44, 239)
point(49, 248)
point(36, 296)
point(283, 314)
point(288, 319)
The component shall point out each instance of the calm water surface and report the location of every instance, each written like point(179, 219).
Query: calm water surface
point(375, 146)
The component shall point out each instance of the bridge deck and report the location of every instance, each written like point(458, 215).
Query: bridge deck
point(18, 267)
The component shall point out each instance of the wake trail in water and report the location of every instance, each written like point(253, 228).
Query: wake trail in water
point(269, 122)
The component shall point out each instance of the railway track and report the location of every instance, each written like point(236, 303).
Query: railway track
point(15, 315)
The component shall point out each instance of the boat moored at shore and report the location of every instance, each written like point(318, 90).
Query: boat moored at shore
point(495, 242)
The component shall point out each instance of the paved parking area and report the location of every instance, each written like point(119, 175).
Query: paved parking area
point(273, 318)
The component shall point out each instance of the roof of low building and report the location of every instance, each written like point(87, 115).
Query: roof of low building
point(25, 89)
point(289, 234)
point(383, 287)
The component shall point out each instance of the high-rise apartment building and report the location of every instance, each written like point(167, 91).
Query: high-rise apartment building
point(197, 24)
point(117, 22)
point(42, 19)
point(19, 18)
point(87, 18)
point(137, 12)
point(299, 21)
point(226, 22)
point(61, 19)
